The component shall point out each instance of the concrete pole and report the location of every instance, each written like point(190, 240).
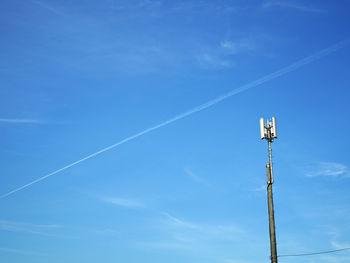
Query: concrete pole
point(273, 245)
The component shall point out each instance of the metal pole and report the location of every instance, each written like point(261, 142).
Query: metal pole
point(273, 245)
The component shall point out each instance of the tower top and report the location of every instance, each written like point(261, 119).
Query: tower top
point(268, 129)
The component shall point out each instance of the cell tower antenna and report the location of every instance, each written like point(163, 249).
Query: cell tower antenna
point(268, 131)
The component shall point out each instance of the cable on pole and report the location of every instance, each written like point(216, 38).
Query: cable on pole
point(315, 253)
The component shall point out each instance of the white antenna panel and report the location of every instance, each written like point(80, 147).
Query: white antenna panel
point(262, 128)
point(274, 128)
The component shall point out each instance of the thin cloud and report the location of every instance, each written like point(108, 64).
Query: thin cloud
point(195, 177)
point(234, 47)
point(229, 260)
point(182, 234)
point(47, 7)
point(38, 229)
point(123, 202)
point(20, 251)
point(335, 259)
point(165, 244)
point(220, 56)
point(260, 188)
point(290, 5)
point(331, 169)
point(213, 61)
point(107, 232)
point(213, 230)
point(338, 245)
point(171, 220)
point(23, 121)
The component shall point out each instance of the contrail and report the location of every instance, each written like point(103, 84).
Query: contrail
point(255, 83)
point(29, 121)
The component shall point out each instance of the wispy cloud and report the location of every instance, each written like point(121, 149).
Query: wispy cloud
point(20, 251)
point(123, 202)
point(47, 7)
point(234, 47)
point(222, 55)
point(107, 232)
point(260, 188)
point(217, 229)
point(204, 7)
point(189, 236)
point(229, 260)
point(195, 177)
point(173, 221)
point(335, 259)
point(23, 121)
point(338, 245)
point(291, 5)
point(213, 61)
point(342, 246)
point(327, 169)
point(38, 229)
point(183, 234)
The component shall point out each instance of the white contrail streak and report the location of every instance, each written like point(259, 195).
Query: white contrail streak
point(30, 121)
point(201, 107)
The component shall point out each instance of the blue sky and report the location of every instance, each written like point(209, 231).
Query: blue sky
point(80, 76)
